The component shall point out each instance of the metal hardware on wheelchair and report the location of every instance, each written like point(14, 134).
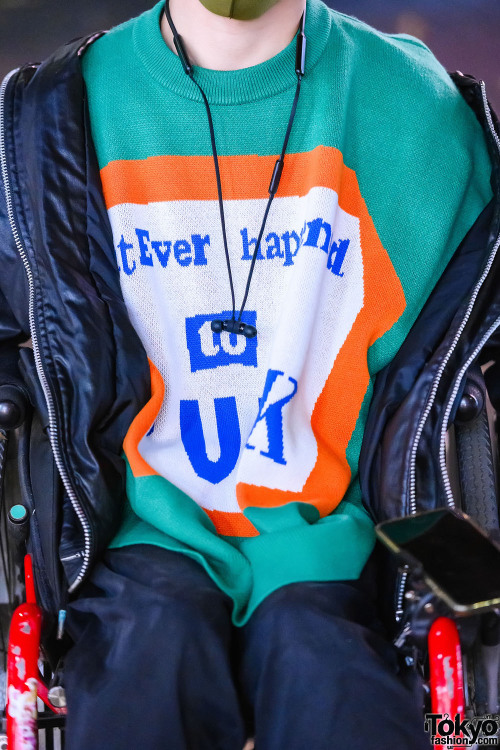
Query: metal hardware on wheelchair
point(26, 686)
point(452, 605)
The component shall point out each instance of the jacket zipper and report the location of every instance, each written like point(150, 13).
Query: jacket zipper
point(442, 452)
point(437, 379)
point(450, 500)
point(442, 448)
point(53, 427)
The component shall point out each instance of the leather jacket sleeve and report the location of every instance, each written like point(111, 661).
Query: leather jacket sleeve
point(14, 323)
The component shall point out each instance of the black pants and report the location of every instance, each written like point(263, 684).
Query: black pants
point(157, 665)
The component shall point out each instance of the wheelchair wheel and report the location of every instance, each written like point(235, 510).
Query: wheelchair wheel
point(477, 459)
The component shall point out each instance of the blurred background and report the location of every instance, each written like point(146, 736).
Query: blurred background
point(463, 34)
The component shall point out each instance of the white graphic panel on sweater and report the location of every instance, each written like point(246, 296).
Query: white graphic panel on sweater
point(236, 409)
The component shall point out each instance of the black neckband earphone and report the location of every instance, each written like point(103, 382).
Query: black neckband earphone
point(236, 325)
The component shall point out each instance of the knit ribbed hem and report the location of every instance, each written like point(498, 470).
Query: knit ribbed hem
point(334, 549)
point(229, 86)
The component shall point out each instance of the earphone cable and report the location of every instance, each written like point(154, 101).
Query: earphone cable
point(219, 194)
point(272, 190)
point(278, 167)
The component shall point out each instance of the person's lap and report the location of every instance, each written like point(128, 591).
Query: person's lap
point(157, 662)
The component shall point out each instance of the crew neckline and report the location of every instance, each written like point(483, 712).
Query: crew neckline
point(229, 86)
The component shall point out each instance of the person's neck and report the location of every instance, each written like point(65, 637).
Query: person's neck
point(221, 43)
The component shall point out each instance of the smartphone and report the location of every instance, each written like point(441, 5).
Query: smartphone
point(456, 558)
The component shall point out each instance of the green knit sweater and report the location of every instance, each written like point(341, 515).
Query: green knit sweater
point(246, 456)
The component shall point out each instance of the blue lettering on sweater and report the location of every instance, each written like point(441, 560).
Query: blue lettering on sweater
point(145, 257)
point(336, 256)
point(271, 412)
point(149, 252)
point(283, 249)
point(193, 440)
point(317, 233)
point(289, 251)
point(229, 430)
point(208, 350)
point(123, 247)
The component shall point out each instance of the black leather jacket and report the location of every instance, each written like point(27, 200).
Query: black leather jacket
point(87, 373)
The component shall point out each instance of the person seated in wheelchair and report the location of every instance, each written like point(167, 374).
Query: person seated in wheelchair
point(275, 191)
